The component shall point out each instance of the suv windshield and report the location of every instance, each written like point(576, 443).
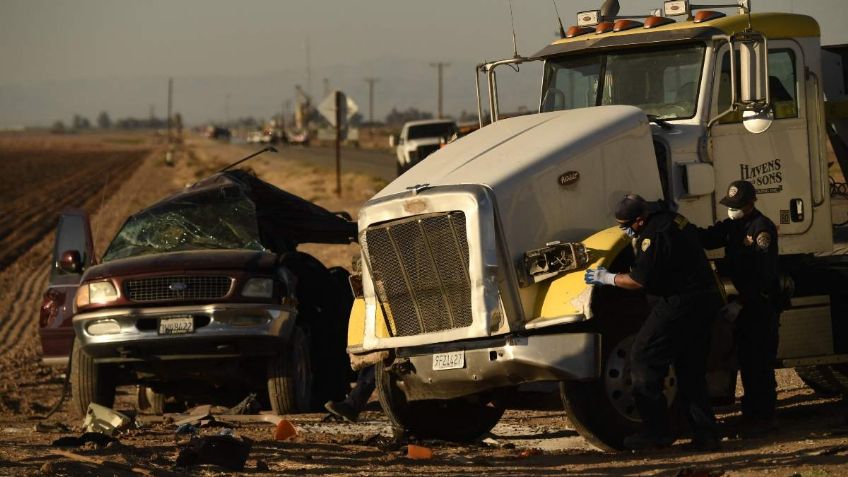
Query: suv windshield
point(662, 81)
point(217, 220)
point(431, 130)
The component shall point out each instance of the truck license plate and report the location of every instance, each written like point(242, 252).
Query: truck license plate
point(452, 360)
point(176, 326)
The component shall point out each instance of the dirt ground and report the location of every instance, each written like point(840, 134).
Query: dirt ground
point(125, 173)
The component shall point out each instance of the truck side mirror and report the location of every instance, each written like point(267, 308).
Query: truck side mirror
point(393, 140)
point(70, 262)
point(754, 95)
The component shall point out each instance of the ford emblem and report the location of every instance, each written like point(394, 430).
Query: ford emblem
point(177, 286)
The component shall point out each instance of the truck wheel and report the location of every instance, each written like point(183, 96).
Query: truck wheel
point(827, 380)
point(149, 401)
point(90, 382)
point(603, 410)
point(458, 420)
point(290, 376)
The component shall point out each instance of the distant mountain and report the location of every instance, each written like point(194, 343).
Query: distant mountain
point(402, 83)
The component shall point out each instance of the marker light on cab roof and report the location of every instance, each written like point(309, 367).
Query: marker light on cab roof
point(588, 18)
point(676, 7)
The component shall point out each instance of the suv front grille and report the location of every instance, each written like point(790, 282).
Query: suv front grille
point(177, 288)
point(419, 267)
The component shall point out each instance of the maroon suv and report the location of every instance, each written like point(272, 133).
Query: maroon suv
point(203, 295)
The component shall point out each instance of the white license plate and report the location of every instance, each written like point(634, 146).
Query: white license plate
point(452, 360)
point(176, 326)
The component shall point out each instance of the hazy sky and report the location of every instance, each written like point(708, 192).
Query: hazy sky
point(89, 55)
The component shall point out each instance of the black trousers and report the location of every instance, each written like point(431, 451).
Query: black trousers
point(677, 332)
point(756, 341)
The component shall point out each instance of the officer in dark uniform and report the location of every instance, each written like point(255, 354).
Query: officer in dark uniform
point(671, 265)
point(749, 239)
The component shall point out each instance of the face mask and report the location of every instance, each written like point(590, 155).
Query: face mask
point(735, 214)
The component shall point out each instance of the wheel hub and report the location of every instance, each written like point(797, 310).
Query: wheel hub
point(619, 385)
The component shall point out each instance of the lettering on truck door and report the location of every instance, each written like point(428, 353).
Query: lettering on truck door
point(777, 160)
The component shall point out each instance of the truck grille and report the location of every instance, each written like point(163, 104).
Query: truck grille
point(177, 288)
point(419, 267)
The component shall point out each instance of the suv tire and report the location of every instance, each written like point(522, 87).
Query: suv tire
point(290, 376)
point(90, 382)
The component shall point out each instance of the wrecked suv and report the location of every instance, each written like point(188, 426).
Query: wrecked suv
point(204, 295)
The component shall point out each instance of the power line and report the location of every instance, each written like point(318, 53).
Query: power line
point(440, 65)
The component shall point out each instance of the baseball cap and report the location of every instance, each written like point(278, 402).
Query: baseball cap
point(630, 208)
point(739, 194)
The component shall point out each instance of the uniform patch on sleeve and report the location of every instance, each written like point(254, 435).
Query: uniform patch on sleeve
point(763, 240)
point(645, 244)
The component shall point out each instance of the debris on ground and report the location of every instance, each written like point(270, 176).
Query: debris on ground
point(103, 419)
point(222, 450)
point(829, 451)
point(285, 430)
point(97, 438)
point(530, 452)
point(418, 452)
point(699, 472)
point(50, 426)
point(100, 462)
point(249, 405)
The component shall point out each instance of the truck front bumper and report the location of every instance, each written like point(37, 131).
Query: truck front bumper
point(498, 363)
point(220, 330)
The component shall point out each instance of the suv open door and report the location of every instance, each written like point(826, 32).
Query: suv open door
point(73, 253)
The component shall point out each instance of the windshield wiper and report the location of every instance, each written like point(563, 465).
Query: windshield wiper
point(660, 122)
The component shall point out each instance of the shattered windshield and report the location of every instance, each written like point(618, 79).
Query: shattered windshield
point(217, 219)
point(663, 82)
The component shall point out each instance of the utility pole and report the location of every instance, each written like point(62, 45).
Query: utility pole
point(308, 69)
point(440, 65)
point(170, 103)
point(227, 109)
point(371, 82)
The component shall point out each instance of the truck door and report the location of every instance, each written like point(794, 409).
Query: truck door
point(73, 241)
point(776, 161)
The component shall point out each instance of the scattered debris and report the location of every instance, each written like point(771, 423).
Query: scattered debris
point(107, 463)
point(418, 452)
point(385, 444)
point(50, 426)
point(530, 452)
point(224, 451)
point(103, 419)
point(97, 438)
point(697, 472)
point(249, 405)
point(828, 451)
point(47, 468)
point(284, 430)
point(262, 466)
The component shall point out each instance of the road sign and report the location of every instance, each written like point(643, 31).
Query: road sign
point(327, 108)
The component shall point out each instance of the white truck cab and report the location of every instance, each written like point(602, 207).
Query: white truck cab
point(419, 139)
point(473, 261)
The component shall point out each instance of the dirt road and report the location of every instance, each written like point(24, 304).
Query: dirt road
point(812, 438)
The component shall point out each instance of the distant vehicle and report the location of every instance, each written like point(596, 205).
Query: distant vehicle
point(255, 137)
point(216, 132)
point(201, 295)
point(419, 139)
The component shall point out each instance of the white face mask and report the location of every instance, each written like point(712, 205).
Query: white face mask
point(735, 214)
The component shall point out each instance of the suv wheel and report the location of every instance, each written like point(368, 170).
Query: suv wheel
point(290, 376)
point(90, 382)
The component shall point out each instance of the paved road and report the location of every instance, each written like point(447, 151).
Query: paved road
point(365, 161)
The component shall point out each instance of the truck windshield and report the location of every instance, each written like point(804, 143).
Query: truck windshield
point(199, 222)
point(431, 130)
point(661, 81)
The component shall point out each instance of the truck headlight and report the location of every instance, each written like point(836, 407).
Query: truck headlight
point(96, 293)
point(258, 288)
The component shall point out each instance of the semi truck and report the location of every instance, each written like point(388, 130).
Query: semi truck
point(472, 263)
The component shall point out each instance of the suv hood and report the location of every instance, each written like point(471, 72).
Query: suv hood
point(195, 260)
point(424, 141)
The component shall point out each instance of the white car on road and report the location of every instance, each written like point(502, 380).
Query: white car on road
point(419, 139)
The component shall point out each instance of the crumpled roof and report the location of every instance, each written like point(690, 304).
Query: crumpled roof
point(280, 215)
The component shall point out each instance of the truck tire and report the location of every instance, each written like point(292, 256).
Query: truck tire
point(458, 420)
point(827, 380)
point(90, 382)
point(289, 376)
point(149, 401)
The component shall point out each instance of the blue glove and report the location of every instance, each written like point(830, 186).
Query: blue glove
point(599, 276)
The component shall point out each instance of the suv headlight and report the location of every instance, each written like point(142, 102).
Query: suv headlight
point(258, 288)
point(96, 293)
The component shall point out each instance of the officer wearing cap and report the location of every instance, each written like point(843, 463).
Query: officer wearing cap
point(750, 260)
point(671, 265)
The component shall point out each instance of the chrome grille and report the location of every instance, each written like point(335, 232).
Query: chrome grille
point(177, 288)
point(419, 267)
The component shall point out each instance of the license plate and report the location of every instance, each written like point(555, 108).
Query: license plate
point(176, 326)
point(452, 360)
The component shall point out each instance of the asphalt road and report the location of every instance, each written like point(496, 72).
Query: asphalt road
point(374, 163)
